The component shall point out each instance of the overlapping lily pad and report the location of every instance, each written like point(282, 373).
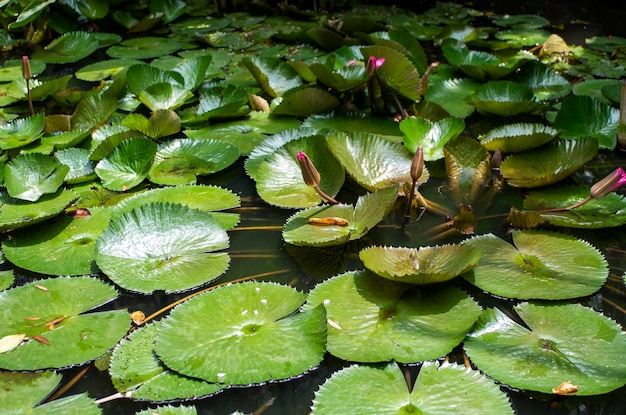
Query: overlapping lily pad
point(371, 319)
point(251, 336)
point(540, 265)
point(144, 48)
point(128, 165)
point(16, 213)
point(21, 131)
point(557, 343)
point(432, 136)
point(49, 313)
point(162, 246)
point(138, 374)
point(426, 265)
point(514, 138)
point(505, 98)
point(70, 47)
point(384, 391)
point(31, 175)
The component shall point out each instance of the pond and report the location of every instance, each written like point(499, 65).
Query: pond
point(155, 153)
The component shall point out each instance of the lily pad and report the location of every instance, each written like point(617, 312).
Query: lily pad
point(273, 75)
point(438, 389)
point(21, 131)
point(22, 392)
point(128, 165)
point(432, 136)
point(338, 224)
point(162, 122)
point(70, 47)
point(179, 161)
point(252, 336)
point(505, 98)
point(548, 164)
point(64, 247)
point(451, 93)
point(540, 265)
point(16, 213)
point(543, 81)
point(52, 310)
point(164, 96)
point(138, 374)
point(398, 72)
point(162, 246)
point(557, 343)
point(77, 159)
point(144, 48)
point(30, 176)
point(11, 69)
point(373, 161)
point(514, 138)
point(101, 70)
point(426, 265)
point(371, 319)
point(172, 410)
point(306, 101)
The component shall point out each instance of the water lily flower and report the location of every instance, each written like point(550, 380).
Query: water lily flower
point(373, 64)
point(311, 176)
point(609, 184)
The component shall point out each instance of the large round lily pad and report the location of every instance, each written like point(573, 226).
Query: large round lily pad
point(557, 343)
point(242, 334)
point(162, 246)
point(48, 312)
point(540, 265)
point(372, 319)
point(15, 213)
point(439, 389)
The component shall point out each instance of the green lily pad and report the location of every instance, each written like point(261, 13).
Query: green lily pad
point(16, 213)
point(451, 93)
point(142, 76)
point(74, 337)
point(391, 165)
point(582, 116)
point(543, 81)
point(274, 167)
point(218, 104)
point(7, 279)
point(344, 79)
point(163, 96)
point(356, 122)
point(426, 265)
point(514, 138)
point(505, 98)
point(193, 70)
point(94, 110)
point(162, 246)
point(30, 176)
point(557, 343)
point(438, 389)
point(273, 75)
point(318, 226)
point(171, 410)
point(398, 72)
point(548, 164)
point(432, 136)
point(101, 70)
point(65, 139)
point(179, 161)
point(11, 69)
point(67, 48)
point(610, 211)
point(21, 131)
point(128, 165)
point(138, 374)
point(540, 265)
point(22, 392)
point(162, 122)
point(144, 48)
point(64, 247)
point(252, 336)
point(77, 159)
point(306, 101)
point(372, 319)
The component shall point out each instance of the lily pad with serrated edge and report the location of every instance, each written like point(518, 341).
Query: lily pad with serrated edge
point(219, 103)
point(438, 389)
point(372, 319)
point(22, 392)
point(318, 226)
point(95, 110)
point(162, 246)
point(253, 335)
point(543, 81)
point(451, 93)
point(59, 303)
point(540, 265)
point(162, 122)
point(609, 211)
point(128, 165)
point(101, 70)
point(432, 136)
point(21, 131)
point(426, 265)
point(557, 343)
point(505, 98)
point(548, 164)
point(274, 167)
point(514, 138)
point(31, 175)
point(142, 76)
point(305, 101)
point(171, 410)
point(397, 72)
point(372, 161)
point(11, 69)
point(355, 122)
point(7, 278)
point(179, 161)
point(69, 47)
point(273, 75)
point(16, 213)
point(164, 96)
point(65, 139)
point(77, 159)
point(64, 247)
point(138, 374)
point(144, 48)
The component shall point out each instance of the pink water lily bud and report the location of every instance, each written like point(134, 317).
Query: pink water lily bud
point(309, 173)
point(373, 64)
point(26, 72)
point(609, 184)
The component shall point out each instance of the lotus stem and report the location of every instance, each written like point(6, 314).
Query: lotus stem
point(621, 129)
point(574, 206)
point(325, 196)
point(431, 206)
point(28, 75)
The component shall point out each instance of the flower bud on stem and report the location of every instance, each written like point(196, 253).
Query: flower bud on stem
point(312, 177)
point(27, 75)
point(417, 166)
